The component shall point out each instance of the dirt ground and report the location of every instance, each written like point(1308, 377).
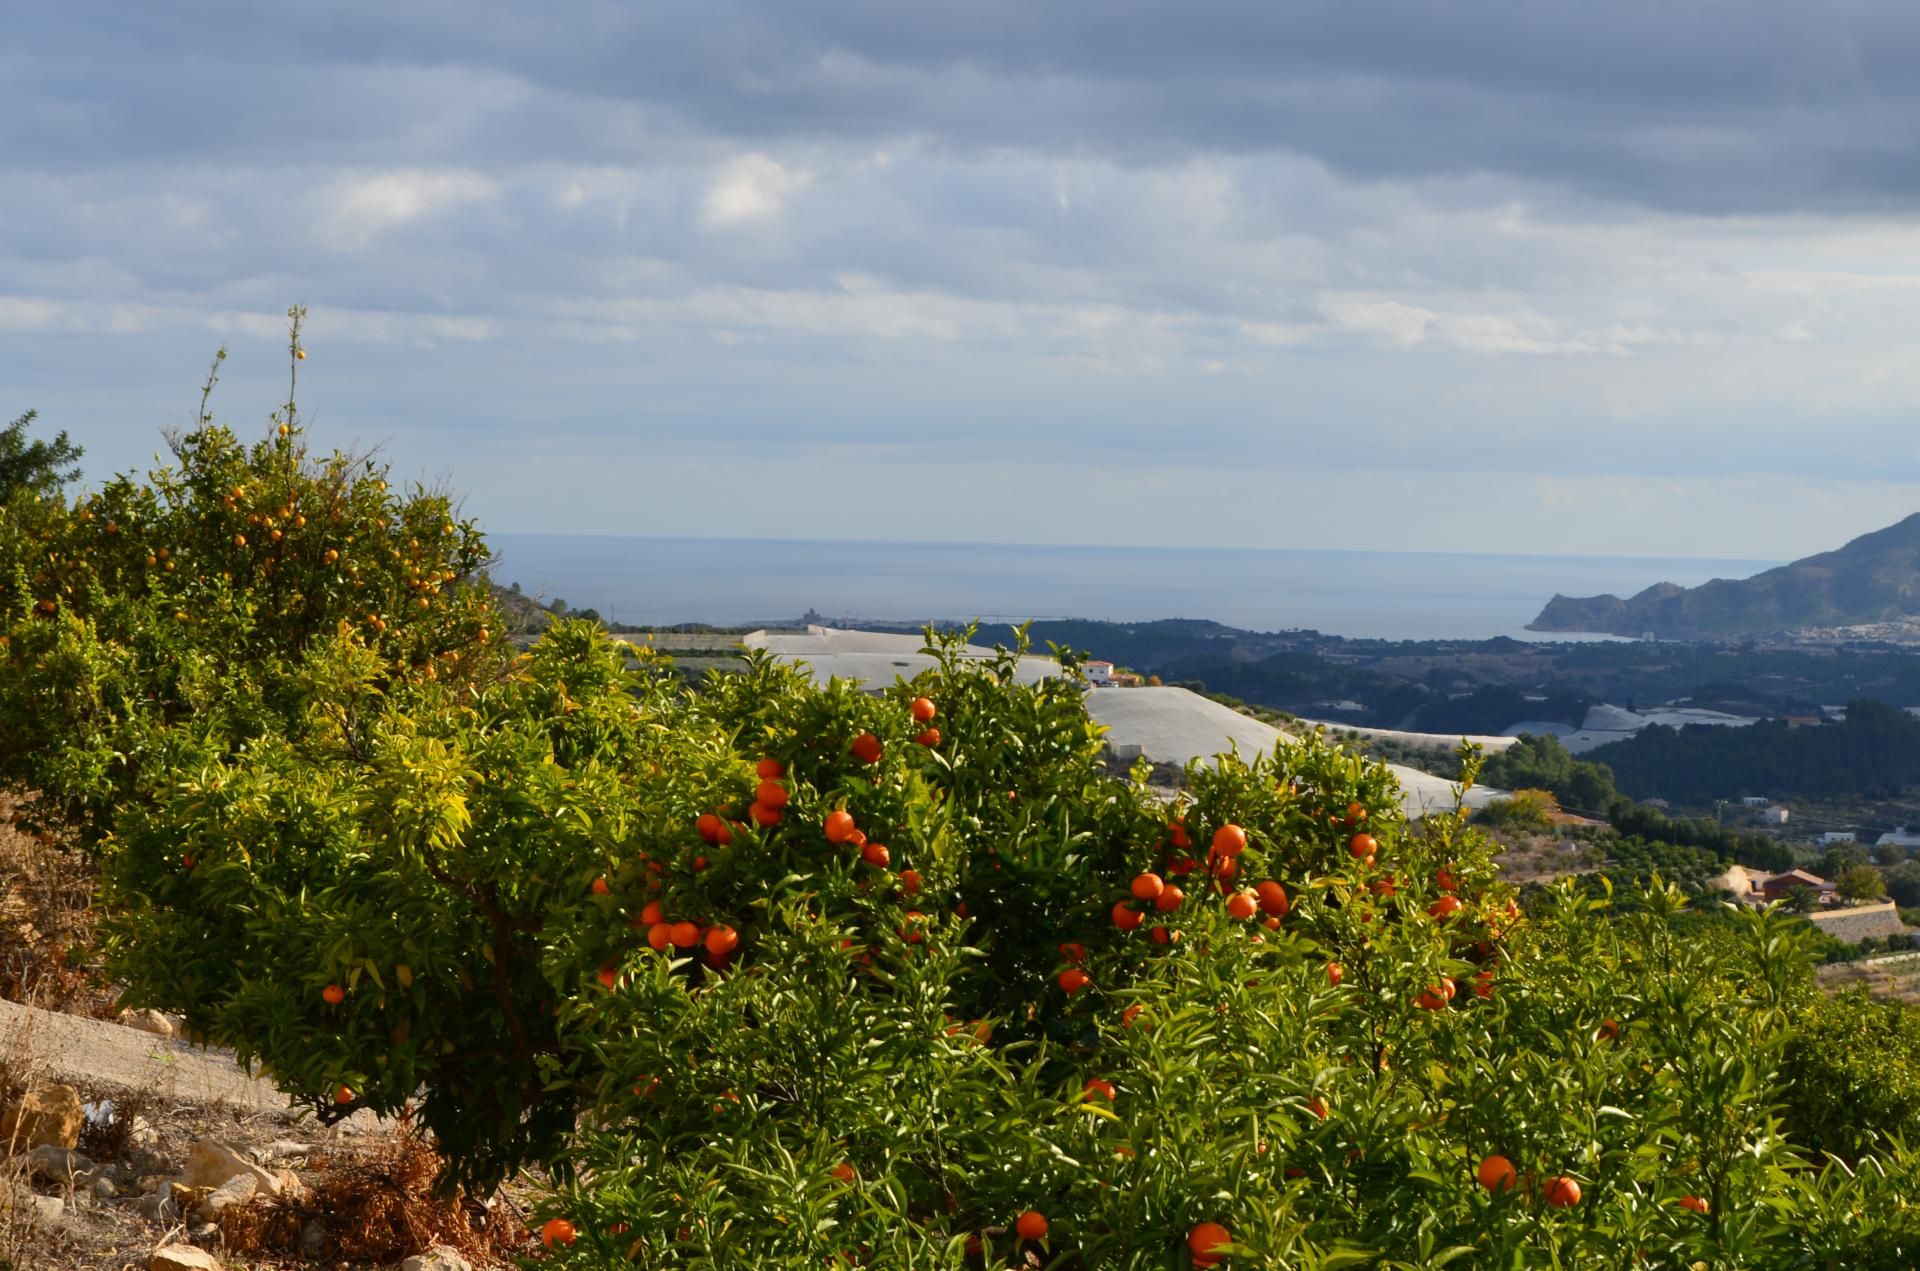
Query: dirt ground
point(364, 1184)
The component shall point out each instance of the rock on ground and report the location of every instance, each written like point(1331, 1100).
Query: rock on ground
point(52, 1164)
point(211, 1164)
point(158, 1023)
point(436, 1259)
point(52, 1115)
point(182, 1258)
point(237, 1190)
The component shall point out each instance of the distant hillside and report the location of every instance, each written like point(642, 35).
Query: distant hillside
point(1875, 578)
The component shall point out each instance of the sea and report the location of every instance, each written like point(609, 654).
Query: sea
point(1361, 595)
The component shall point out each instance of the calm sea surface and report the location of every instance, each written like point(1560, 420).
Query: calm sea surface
point(1384, 595)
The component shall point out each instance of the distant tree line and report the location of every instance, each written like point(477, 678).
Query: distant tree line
point(1874, 753)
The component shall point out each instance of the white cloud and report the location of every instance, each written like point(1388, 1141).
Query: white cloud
point(752, 187)
point(362, 207)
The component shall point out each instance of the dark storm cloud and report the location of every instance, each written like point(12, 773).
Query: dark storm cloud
point(1726, 105)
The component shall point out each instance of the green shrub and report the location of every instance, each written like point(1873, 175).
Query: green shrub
point(1852, 1068)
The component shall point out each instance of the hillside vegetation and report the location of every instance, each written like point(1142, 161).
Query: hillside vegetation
point(770, 974)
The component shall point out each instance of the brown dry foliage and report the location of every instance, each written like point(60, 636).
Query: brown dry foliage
point(377, 1205)
point(47, 920)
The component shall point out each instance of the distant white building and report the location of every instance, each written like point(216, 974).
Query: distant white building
point(1098, 672)
point(1756, 801)
point(1775, 816)
point(1838, 836)
point(1898, 837)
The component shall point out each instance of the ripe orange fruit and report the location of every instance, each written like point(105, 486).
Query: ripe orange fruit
point(710, 827)
point(608, 975)
point(1318, 1107)
point(1169, 899)
point(770, 769)
point(1698, 1204)
point(1273, 898)
point(1447, 987)
point(1444, 908)
point(1229, 840)
point(333, 995)
point(1147, 886)
point(1361, 846)
point(1073, 951)
point(764, 816)
point(844, 1172)
point(556, 1232)
point(910, 881)
point(1483, 984)
point(1333, 974)
point(867, 748)
point(1355, 813)
point(1497, 1174)
point(911, 932)
point(1431, 999)
point(1242, 905)
point(1204, 1239)
point(923, 710)
point(343, 1095)
point(1178, 831)
point(929, 738)
point(685, 935)
point(1562, 1192)
point(1608, 1031)
point(1100, 1086)
point(856, 840)
point(1031, 1225)
point(660, 935)
point(876, 854)
point(1126, 917)
point(650, 913)
point(1129, 1015)
point(600, 885)
point(839, 825)
point(722, 940)
point(771, 794)
point(1072, 980)
point(1443, 878)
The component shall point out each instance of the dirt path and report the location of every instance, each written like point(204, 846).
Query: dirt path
point(91, 1052)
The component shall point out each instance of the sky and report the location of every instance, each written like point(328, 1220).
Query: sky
point(1561, 277)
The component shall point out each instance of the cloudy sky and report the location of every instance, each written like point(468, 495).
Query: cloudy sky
point(1635, 277)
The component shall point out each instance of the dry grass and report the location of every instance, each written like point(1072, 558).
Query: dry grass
point(1892, 980)
point(17, 1075)
point(376, 1204)
point(47, 919)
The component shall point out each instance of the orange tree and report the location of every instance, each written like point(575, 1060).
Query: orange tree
point(156, 623)
point(772, 974)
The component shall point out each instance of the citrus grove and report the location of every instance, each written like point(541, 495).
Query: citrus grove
point(773, 974)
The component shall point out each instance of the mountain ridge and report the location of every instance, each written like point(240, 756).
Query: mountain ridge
point(1872, 578)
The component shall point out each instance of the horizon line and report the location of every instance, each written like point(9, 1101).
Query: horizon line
point(1112, 547)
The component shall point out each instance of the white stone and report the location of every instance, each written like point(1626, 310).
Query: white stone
point(210, 1164)
point(182, 1258)
point(439, 1258)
